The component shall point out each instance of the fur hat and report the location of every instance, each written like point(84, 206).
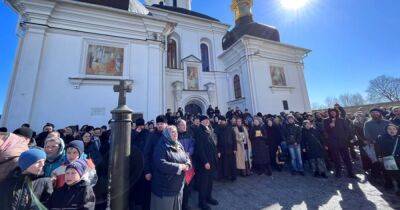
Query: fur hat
point(203, 117)
point(161, 119)
point(25, 132)
point(376, 110)
point(139, 122)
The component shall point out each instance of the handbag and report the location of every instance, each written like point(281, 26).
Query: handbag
point(370, 150)
point(189, 175)
point(389, 162)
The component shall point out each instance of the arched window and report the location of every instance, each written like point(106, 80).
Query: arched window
point(172, 54)
point(236, 87)
point(205, 57)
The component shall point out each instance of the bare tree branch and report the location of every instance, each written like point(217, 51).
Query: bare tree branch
point(384, 88)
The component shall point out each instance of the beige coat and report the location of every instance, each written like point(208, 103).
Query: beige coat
point(242, 155)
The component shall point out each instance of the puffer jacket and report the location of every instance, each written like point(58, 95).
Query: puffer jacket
point(78, 196)
point(292, 134)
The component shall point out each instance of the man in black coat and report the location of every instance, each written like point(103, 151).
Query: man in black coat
point(41, 137)
point(226, 148)
point(141, 191)
point(206, 158)
point(337, 132)
point(210, 112)
point(152, 140)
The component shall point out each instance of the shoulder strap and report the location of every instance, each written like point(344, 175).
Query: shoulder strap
point(395, 146)
point(35, 200)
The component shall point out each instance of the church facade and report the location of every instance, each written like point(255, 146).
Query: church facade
point(71, 53)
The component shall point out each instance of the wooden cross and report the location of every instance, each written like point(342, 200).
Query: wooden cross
point(123, 88)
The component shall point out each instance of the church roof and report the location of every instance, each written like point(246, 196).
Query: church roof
point(246, 26)
point(133, 6)
point(121, 4)
point(184, 11)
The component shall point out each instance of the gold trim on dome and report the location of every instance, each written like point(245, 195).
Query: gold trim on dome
point(241, 8)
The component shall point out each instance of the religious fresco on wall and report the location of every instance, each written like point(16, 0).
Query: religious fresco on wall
point(193, 78)
point(104, 60)
point(278, 76)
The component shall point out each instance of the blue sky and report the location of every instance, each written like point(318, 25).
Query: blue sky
point(352, 41)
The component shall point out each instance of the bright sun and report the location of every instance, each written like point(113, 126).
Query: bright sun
point(293, 4)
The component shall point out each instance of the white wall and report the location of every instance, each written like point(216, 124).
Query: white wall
point(251, 59)
point(57, 101)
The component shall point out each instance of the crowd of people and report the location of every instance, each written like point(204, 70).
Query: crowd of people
point(68, 168)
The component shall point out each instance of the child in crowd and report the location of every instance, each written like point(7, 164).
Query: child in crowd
point(75, 151)
point(76, 193)
point(280, 159)
point(387, 150)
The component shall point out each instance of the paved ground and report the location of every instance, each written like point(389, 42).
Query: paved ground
point(284, 191)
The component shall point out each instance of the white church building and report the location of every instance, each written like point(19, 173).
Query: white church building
point(71, 53)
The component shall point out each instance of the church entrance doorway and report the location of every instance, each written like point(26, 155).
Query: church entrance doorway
point(193, 109)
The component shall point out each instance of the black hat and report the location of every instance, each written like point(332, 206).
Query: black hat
point(89, 128)
point(376, 110)
point(203, 117)
point(49, 124)
point(139, 122)
point(222, 118)
point(26, 125)
point(161, 119)
point(25, 132)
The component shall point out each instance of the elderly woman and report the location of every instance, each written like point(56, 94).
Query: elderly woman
point(55, 154)
point(170, 163)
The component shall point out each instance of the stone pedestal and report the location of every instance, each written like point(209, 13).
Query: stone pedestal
point(121, 127)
